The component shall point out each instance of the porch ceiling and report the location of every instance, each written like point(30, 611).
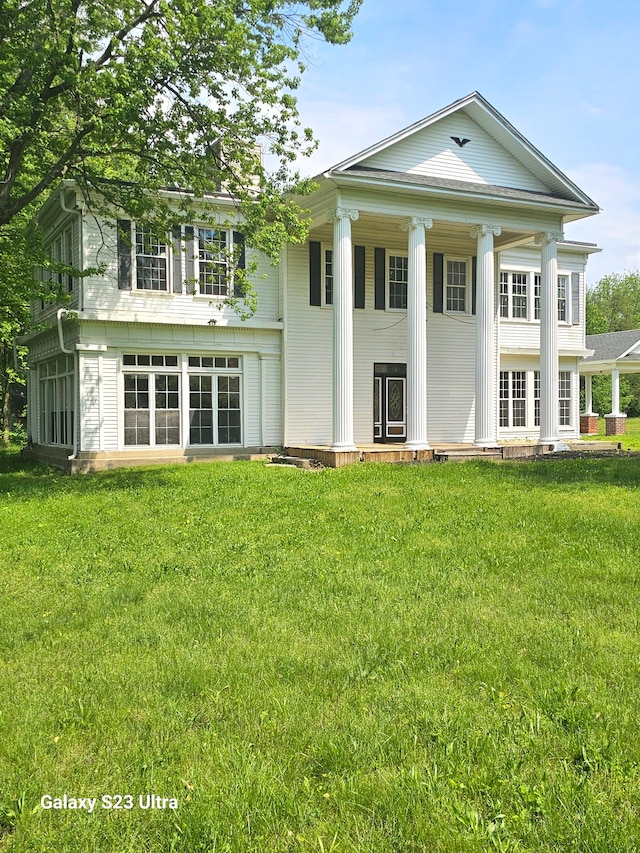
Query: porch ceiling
point(384, 226)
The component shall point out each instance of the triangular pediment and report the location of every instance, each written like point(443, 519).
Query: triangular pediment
point(468, 142)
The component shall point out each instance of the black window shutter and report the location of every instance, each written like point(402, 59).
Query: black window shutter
point(238, 240)
point(190, 254)
point(474, 279)
point(379, 277)
point(176, 240)
point(575, 298)
point(358, 276)
point(438, 282)
point(315, 273)
point(124, 254)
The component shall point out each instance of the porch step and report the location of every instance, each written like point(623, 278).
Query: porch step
point(466, 455)
point(295, 462)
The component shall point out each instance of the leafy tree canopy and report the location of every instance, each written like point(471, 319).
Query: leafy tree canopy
point(613, 305)
point(128, 97)
point(159, 94)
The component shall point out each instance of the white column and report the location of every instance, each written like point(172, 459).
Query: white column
point(588, 394)
point(486, 434)
point(417, 334)
point(615, 394)
point(342, 329)
point(549, 414)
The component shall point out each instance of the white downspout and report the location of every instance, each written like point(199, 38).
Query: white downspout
point(62, 312)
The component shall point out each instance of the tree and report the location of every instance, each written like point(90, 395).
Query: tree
point(127, 97)
point(613, 305)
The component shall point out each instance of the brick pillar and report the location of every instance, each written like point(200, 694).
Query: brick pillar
point(589, 424)
point(615, 424)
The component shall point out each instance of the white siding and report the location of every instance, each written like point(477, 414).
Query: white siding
point(101, 293)
point(432, 152)
point(90, 391)
point(109, 402)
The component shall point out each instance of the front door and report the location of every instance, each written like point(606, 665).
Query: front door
point(389, 402)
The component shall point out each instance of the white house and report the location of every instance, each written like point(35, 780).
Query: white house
point(435, 302)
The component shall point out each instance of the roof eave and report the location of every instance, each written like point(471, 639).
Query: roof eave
point(570, 210)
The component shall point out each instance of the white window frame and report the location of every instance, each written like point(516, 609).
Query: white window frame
point(537, 285)
point(146, 239)
point(151, 371)
point(516, 385)
point(403, 267)
point(225, 262)
point(467, 285)
point(328, 276)
point(56, 401)
point(232, 368)
point(508, 298)
point(565, 398)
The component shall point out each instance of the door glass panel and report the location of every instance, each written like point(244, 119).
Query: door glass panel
point(377, 407)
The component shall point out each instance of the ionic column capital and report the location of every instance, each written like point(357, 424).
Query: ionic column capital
point(342, 213)
point(416, 222)
point(484, 230)
point(548, 237)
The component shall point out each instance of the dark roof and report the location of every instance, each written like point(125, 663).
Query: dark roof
point(459, 186)
point(612, 346)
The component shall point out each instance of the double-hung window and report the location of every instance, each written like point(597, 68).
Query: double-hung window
point(564, 397)
point(563, 286)
point(328, 276)
point(456, 286)
point(514, 295)
point(398, 281)
point(213, 268)
point(151, 261)
point(562, 297)
point(513, 398)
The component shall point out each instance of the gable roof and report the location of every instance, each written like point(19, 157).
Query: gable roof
point(614, 346)
point(528, 171)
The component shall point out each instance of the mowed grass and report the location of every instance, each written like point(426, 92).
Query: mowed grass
point(379, 658)
point(630, 440)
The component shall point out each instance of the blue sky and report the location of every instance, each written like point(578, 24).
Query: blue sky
point(566, 73)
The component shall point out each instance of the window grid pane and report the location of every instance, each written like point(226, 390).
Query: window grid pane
point(328, 277)
point(398, 279)
point(562, 297)
point(519, 393)
point(213, 270)
point(519, 294)
point(167, 399)
point(537, 282)
point(536, 398)
point(504, 294)
point(200, 409)
point(456, 286)
point(151, 261)
point(564, 393)
point(229, 410)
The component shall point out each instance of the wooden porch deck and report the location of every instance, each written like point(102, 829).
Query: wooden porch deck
point(440, 452)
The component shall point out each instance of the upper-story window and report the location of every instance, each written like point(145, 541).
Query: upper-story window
point(188, 260)
point(398, 280)
point(563, 283)
point(514, 296)
point(151, 261)
point(212, 262)
point(456, 286)
point(563, 288)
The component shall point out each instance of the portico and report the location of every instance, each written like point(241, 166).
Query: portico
point(482, 319)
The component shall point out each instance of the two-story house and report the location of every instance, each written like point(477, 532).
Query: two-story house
point(436, 301)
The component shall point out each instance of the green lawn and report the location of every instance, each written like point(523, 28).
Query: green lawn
point(379, 658)
point(630, 440)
